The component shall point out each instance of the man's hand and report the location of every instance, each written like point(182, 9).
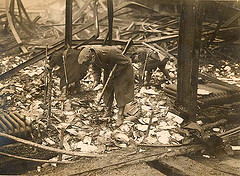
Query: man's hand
point(63, 97)
point(95, 83)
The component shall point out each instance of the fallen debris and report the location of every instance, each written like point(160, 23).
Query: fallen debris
point(76, 124)
point(36, 160)
point(46, 147)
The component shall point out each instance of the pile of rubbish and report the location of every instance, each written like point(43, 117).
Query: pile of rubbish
point(77, 124)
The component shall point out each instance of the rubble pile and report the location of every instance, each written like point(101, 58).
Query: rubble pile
point(82, 116)
point(77, 123)
point(220, 60)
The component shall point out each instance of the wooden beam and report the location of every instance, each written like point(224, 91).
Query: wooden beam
point(231, 20)
point(188, 56)
point(68, 24)
point(110, 20)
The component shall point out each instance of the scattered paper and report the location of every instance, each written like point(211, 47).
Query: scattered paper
point(142, 127)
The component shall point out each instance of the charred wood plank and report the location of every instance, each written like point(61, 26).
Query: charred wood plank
point(188, 56)
point(214, 124)
point(231, 20)
point(217, 81)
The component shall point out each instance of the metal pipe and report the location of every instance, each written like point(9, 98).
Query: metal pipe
point(68, 24)
point(46, 75)
point(49, 114)
point(108, 39)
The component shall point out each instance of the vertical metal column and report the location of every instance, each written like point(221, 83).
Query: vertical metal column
point(188, 56)
point(108, 38)
point(68, 24)
point(110, 20)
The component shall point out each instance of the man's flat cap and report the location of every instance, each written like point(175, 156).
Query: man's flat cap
point(84, 55)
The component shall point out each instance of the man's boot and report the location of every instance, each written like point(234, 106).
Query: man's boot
point(120, 119)
point(108, 113)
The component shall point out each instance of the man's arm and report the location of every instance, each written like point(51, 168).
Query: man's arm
point(96, 74)
point(121, 60)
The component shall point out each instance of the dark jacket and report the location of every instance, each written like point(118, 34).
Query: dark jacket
point(122, 83)
point(153, 61)
point(75, 71)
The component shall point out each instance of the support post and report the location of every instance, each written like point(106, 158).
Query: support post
point(19, 11)
point(110, 20)
point(188, 56)
point(108, 39)
point(68, 24)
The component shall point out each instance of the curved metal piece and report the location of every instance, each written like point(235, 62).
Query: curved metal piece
point(16, 125)
point(15, 117)
point(4, 127)
point(10, 126)
point(11, 25)
point(96, 26)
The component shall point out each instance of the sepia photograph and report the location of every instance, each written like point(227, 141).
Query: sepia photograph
point(120, 87)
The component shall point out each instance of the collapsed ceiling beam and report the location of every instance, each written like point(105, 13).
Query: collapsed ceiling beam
point(59, 43)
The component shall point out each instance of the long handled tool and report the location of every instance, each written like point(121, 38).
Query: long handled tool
point(142, 77)
point(64, 57)
point(129, 44)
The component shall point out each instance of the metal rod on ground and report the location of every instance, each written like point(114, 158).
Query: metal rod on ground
point(61, 135)
point(65, 70)
point(61, 142)
point(35, 160)
point(49, 98)
point(46, 75)
point(129, 43)
point(72, 153)
point(143, 73)
point(232, 131)
point(149, 125)
point(162, 145)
